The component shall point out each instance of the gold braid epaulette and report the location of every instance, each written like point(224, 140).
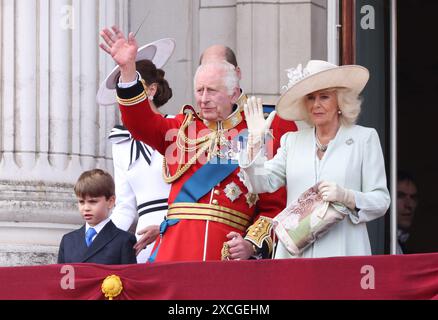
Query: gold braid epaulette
point(259, 232)
point(200, 145)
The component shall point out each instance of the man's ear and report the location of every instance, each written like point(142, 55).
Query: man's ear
point(236, 95)
point(239, 73)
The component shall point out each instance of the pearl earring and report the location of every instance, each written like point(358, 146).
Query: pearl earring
point(339, 112)
point(151, 98)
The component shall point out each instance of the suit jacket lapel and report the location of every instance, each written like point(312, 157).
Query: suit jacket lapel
point(80, 246)
point(108, 233)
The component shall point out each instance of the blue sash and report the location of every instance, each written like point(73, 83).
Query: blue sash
point(204, 179)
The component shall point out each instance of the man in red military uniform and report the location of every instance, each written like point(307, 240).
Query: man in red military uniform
point(207, 202)
point(269, 203)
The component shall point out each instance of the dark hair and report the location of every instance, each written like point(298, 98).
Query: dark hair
point(95, 183)
point(230, 57)
point(405, 176)
point(150, 75)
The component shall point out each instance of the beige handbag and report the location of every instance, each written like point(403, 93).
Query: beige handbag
point(305, 220)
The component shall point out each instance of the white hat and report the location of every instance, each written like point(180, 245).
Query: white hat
point(158, 52)
point(317, 75)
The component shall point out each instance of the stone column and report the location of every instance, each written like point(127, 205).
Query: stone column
point(275, 35)
point(51, 128)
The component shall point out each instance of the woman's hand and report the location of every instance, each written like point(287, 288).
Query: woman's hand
point(122, 50)
point(149, 234)
point(257, 125)
point(331, 191)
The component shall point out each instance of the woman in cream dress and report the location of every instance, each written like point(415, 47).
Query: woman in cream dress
point(345, 158)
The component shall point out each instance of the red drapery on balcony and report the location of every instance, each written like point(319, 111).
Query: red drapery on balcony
point(374, 277)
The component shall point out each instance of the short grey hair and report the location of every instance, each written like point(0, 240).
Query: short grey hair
point(349, 103)
point(231, 80)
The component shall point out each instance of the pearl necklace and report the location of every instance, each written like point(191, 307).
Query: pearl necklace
point(321, 147)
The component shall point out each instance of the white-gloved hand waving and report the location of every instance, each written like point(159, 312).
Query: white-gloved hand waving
point(257, 125)
point(331, 191)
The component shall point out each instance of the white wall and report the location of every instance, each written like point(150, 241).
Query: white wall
point(268, 37)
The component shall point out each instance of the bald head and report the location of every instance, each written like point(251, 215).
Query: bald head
point(216, 53)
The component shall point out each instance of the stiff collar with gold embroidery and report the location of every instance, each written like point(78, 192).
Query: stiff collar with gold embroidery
point(242, 100)
point(232, 121)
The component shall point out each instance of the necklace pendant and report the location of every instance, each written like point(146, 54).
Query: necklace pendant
point(321, 147)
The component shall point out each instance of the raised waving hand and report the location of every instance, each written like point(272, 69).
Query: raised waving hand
point(122, 50)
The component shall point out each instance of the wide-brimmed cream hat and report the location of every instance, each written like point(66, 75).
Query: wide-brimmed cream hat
point(158, 52)
point(317, 75)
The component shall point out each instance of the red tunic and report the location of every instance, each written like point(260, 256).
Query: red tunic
point(190, 239)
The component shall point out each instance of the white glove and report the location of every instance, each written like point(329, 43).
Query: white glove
point(257, 125)
point(330, 191)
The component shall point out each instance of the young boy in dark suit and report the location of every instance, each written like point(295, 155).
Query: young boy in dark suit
point(99, 240)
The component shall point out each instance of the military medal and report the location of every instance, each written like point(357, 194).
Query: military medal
point(232, 191)
point(251, 199)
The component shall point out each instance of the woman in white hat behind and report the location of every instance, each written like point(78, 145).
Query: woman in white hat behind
point(141, 193)
point(344, 158)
